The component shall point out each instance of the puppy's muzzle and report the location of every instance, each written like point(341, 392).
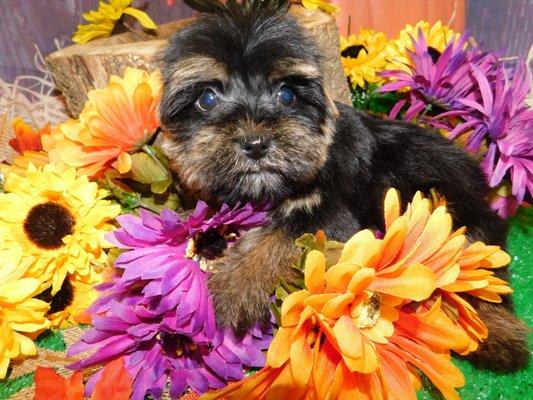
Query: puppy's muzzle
point(254, 147)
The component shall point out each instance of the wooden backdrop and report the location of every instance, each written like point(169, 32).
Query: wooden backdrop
point(25, 24)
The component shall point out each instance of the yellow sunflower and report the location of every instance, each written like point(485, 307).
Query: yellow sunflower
point(68, 306)
point(60, 221)
point(103, 20)
point(363, 57)
point(437, 37)
point(324, 5)
point(20, 314)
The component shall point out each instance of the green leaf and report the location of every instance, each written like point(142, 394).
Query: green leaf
point(308, 242)
point(127, 198)
point(145, 169)
point(371, 99)
point(157, 202)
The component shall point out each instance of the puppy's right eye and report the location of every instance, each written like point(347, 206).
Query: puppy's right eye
point(207, 100)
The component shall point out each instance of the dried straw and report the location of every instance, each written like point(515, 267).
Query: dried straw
point(33, 97)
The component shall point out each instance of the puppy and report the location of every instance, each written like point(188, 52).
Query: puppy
point(247, 119)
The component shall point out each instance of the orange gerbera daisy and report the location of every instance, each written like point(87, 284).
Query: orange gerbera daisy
point(26, 139)
point(116, 121)
point(30, 144)
point(457, 267)
point(342, 336)
point(365, 326)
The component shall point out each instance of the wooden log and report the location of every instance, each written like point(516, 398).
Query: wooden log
point(82, 67)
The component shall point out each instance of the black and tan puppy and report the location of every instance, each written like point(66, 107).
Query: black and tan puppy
point(247, 119)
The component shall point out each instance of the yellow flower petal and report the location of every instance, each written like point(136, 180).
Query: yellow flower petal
point(142, 17)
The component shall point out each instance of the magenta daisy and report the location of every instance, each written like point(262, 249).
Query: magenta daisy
point(157, 311)
point(438, 80)
point(503, 120)
point(159, 351)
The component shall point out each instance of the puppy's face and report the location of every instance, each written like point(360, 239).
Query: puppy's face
point(244, 109)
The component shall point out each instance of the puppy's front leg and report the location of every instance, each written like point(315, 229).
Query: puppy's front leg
point(246, 277)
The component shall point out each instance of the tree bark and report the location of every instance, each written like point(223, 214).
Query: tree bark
point(80, 68)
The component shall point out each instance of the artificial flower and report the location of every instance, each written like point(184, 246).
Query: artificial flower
point(502, 117)
point(388, 307)
point(441, 84)
point(116, 121)
point(502, 200)
point(31, 146)
point(437, 37)
point(343, 336)
point(363, 57)
point(458, 268)
point(26, 139)
point(50, 385)
point(20, 314)
point(324, 5)
point(176, 247)
point(114, 383)
point(162, 319)
point(69, 304)
point(60, 221)
point(103, 20)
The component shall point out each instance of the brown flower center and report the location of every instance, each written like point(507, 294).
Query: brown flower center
point(353, 51)
point(176, 344)
point(47, 224)
point(61, 300)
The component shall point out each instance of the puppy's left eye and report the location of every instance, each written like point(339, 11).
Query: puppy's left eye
point(207, 100)
point(286, 96)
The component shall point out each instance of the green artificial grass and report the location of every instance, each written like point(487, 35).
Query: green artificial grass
point(51, 340)
point(9, 387)
point(487, 385)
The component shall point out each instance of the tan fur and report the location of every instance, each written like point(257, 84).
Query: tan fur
point(306, 203)
point(249, 273)
point(197, 69)
point(294, 67)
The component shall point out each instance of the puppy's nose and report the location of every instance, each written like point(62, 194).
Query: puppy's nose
point(254, 147)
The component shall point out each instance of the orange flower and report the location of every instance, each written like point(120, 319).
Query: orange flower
point(113, 383)
point(30, 145)
point(387, 309)
point(343, 336)
point(26, 139)
point(458, 268)
point(116, 121)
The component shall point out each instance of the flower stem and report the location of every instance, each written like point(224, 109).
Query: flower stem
point(148, 150)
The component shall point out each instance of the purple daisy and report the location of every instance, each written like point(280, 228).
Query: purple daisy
point(158, 351)
point(438, 80)
point(503, 120)
point(157, 312)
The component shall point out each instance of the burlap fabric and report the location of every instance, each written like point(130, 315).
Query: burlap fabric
point(6, 133)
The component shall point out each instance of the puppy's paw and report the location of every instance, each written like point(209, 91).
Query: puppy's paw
point(238, 302)
point(506, 348)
